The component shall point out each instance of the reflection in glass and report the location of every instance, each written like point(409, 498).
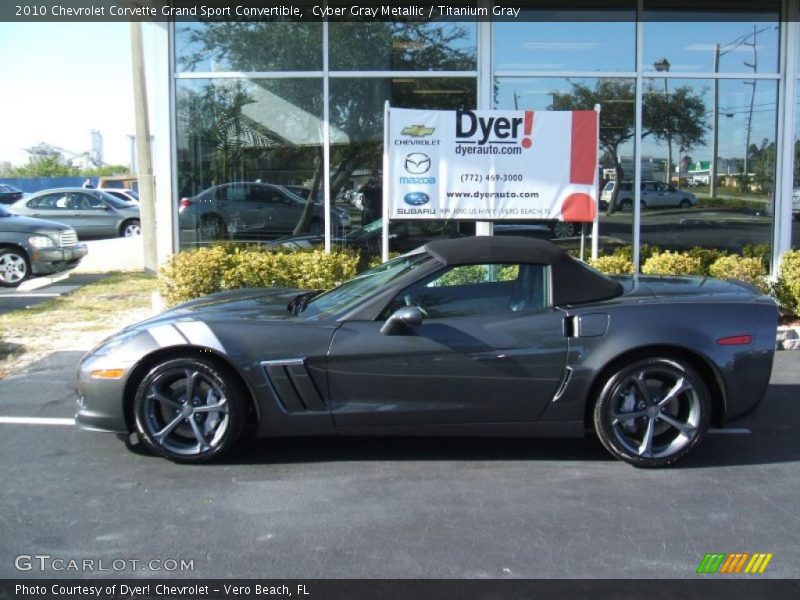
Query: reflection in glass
point(616, 100)
point(397, 46)
point(237, 141)
point(245, 46)
point(356, 110)
point(713, 42)
point(567, 40)
point(737, 215)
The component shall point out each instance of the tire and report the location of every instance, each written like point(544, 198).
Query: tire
point(212, 227)
point(674, 427)
point(14, 267)
point(316, 227)
point(562, 229)
point(130, 228)
point(626, 205)
point(685, 203)
point(189, 432)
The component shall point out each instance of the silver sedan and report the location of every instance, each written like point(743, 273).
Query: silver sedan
point(91, 213)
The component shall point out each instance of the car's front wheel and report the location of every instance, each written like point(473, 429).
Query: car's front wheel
point(14, 267)
point(562, 229)
point(685, 203)
point(189, 410)
point(653, 412)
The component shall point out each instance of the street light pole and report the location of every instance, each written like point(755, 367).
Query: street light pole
point(662, 66)
point(715, 135)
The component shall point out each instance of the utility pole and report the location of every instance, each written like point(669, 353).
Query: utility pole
point(143, 151)
point(715, 136)
point(754, 66)
point(663, 66)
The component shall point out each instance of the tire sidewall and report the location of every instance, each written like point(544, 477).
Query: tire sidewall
point(123, 230)
point(233, 393)
point(602, 419)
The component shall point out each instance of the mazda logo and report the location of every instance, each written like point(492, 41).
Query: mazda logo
point(418, 163)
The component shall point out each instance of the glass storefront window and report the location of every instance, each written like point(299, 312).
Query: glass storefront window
point(616, 99)
point(234, 46)
point(709, 41)
point(567, 40)
point(680, 210)
point(356, 112)
point(239, 142)
point(403, 46)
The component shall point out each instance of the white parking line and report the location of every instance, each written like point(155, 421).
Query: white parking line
point(30, 295)
point(36, 421)
point(732, 431)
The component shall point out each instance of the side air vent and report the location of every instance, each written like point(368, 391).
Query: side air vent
point(292, 385)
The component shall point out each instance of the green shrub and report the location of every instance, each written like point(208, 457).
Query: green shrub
point(645, 252)
point(749, 270)
point(196, 273)
point(672, 263)
point(613, 265)
point(707, 256)
point(759, 251)
point(787, 287)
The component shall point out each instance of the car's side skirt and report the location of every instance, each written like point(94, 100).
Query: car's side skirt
point(564, 429)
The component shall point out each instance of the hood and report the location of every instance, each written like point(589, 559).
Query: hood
point(18, 224)
point(248, 303)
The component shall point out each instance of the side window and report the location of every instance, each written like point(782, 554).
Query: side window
point(476, 290)
point(236, 193)
point(49, 202)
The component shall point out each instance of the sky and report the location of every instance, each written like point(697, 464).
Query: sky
point(60, 81)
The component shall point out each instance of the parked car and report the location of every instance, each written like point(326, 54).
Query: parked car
point(9, 194)
point(654, 194)
point(118, 182)
point(31, 247)
point(92, 213)
point(471, 336)
point(796, 203)
point(303, 192)
point(251, 209)
point(124, 195)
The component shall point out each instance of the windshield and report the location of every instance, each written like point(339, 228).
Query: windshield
point(366, 231)
point(114, 201)
point(350, 293)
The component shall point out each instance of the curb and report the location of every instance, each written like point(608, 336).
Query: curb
point(40, 282)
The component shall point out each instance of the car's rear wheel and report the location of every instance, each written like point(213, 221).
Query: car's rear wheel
point(685, 203)
point(131, 228)
point(653, 412)
point(316, 227)
point(562, 229)
point(189, 410)
point(212, 227)
point(14, 267)
point(626, 205)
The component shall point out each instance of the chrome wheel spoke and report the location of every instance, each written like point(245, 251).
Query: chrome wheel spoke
point(641, 386)
point(646, 447)
point(620, 417)
point(684, 428)
point(680, 386)
point(191, 382)
point(198, 434)
point(160, 435)
point(221, 406)
point(158, 396)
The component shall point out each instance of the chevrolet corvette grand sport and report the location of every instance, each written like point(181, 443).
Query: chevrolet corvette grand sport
point(475, 336)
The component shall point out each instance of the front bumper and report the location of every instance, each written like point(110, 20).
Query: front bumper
point(100, 401)
point(52, 260)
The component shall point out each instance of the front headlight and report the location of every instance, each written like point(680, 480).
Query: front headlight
point(41, 241)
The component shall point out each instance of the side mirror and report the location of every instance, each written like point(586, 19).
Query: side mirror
point(407, 316)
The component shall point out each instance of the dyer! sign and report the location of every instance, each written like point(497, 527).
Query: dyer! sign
point(492, 165)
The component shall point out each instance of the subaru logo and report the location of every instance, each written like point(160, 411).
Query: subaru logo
point(416, 198)
point(418, 163)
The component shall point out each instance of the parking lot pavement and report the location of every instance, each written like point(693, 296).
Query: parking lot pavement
point(30, 295)
point(402, 508)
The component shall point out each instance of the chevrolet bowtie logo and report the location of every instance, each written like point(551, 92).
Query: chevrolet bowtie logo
point(417, 130)
point(418, 163)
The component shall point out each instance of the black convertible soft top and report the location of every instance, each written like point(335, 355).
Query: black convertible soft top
point(573, 282)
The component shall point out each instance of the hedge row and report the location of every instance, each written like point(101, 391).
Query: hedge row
point(196, 273)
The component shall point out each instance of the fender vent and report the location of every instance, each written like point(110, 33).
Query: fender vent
point(292, 385)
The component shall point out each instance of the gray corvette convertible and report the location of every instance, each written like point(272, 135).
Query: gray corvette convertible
point(476, 336)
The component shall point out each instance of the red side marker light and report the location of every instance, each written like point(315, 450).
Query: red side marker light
point(186, 202)
point(735, 340)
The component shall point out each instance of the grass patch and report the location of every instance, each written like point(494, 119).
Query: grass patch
point(75, 321)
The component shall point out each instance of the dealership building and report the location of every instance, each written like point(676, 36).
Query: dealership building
point(698, 111)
